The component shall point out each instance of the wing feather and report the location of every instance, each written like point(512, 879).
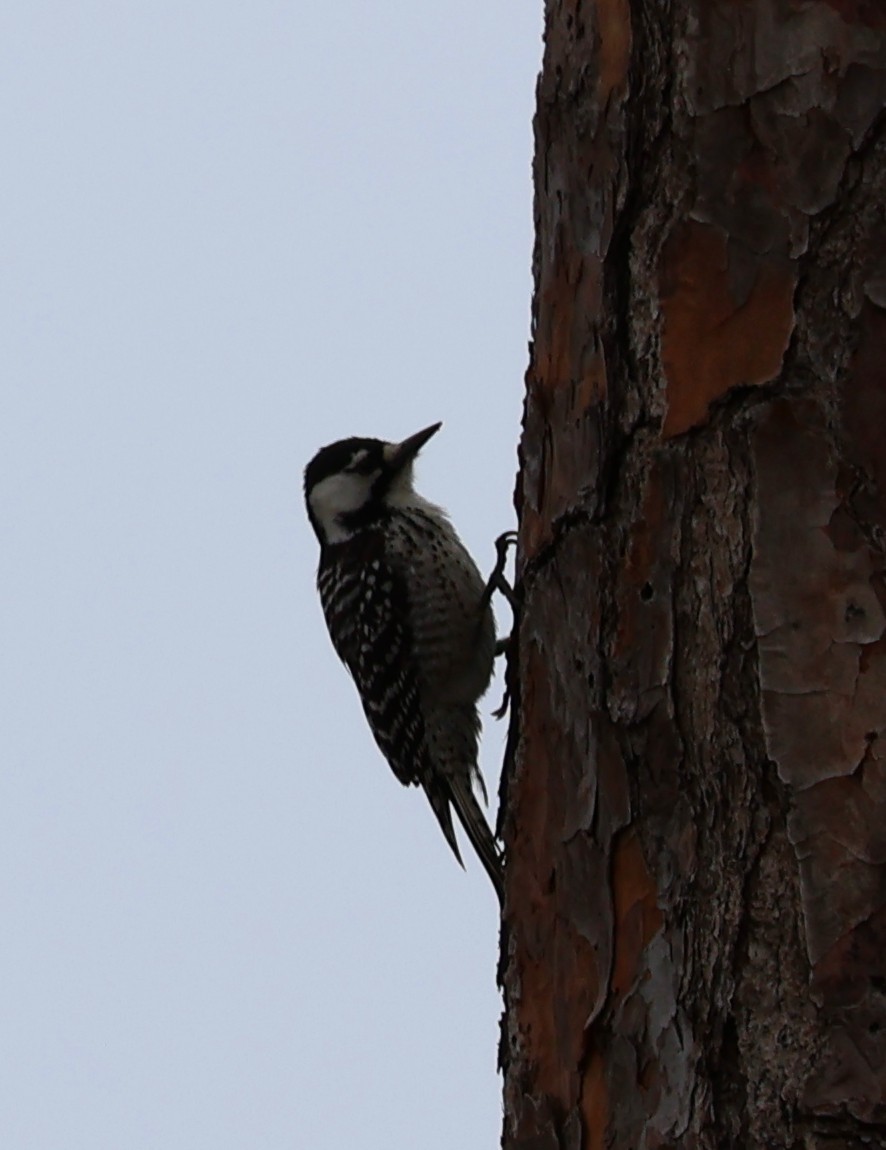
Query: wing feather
point(367, 612)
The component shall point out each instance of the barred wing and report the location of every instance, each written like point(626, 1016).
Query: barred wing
point(366, 608)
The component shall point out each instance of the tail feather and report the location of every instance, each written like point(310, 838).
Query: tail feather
point(477, 829)
point(438, 796)
point(480, 782)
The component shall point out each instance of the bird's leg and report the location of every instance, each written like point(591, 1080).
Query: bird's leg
point(498, 582)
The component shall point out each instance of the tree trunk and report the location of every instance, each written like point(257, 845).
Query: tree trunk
point(695, 798)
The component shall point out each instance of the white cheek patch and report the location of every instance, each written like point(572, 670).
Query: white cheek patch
point(337, 495)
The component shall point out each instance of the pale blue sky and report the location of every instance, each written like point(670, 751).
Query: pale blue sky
point(230, 233)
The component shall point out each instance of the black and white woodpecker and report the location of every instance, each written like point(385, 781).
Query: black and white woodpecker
point(409, 615)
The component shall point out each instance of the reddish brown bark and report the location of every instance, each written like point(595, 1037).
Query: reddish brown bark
point(695, 801)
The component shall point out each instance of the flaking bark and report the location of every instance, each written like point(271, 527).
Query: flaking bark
point(695, 797)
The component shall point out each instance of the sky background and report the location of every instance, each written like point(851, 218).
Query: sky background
point(229, 234)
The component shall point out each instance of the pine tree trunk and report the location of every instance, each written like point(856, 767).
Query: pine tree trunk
point(695, 800)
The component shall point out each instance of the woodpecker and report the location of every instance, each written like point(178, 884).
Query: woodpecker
point(409, 615)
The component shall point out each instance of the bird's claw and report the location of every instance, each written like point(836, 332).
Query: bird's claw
point(497, 580)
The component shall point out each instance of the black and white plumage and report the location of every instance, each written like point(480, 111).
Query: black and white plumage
point(408, 614)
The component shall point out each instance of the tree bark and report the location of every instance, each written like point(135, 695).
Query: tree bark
point(694, 806)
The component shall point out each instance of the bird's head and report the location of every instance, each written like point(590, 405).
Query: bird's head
point(350, 483)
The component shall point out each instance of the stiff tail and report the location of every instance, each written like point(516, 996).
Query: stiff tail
point(477, 829)
point(460, 795)
point(438, 797)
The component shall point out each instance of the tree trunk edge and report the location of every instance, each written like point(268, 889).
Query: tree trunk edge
point(694, 800)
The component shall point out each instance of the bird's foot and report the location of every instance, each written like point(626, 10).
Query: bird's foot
point(501, 710)
point(498, 580)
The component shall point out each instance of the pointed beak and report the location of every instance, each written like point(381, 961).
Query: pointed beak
point(398, 455)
